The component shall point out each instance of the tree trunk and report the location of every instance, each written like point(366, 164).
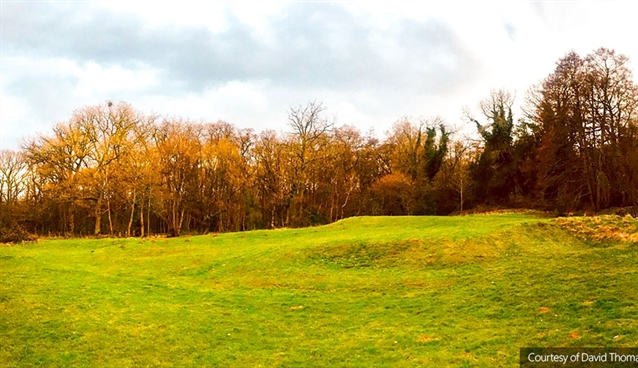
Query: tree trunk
point(108, 207)
point(181, 222)
point(72, 219)
point(142, 218)
point(148, 215)
point(461, 192)
point(98, 216)
point(345, 203)
point(272, 217)
point(130, 220)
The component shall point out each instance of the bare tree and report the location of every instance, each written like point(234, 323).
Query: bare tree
point(308, 137)
point(13, 171)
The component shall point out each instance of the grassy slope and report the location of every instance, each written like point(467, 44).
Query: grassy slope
point(399, 291)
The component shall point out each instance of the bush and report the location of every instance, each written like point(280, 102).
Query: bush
point(14, 233)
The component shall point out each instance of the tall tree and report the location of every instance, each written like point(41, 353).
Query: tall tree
point(308, 137)
point(272, 184)
point(178, 148)
point(494, 173)
point(418, 152)
point(586, 114)
point(109, 129)
point(13, 170)
point(13, 184)
point(59, 159)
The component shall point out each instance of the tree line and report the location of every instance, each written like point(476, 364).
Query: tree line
point(111, 169)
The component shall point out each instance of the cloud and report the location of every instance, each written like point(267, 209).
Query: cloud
point(510, 29)
point(312, 44)
point(247, 63)
point(246, 68)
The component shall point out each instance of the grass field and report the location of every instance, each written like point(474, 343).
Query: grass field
point(369, 291)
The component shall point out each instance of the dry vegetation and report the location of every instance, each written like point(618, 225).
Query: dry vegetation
point(602, 228)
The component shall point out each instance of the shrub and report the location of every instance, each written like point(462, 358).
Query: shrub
point(14, 233)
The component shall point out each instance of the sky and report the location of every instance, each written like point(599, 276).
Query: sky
point(248, 63)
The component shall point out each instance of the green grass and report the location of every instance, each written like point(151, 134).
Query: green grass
point(369, 291)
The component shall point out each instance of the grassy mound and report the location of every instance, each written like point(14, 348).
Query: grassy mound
point(369, 291)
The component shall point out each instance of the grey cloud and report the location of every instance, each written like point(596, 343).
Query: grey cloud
point(316, 45)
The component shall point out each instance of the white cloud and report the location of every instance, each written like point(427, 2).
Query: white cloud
point(248, 62)
point(10, 131)
point(97, 80)
point(159, 14)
